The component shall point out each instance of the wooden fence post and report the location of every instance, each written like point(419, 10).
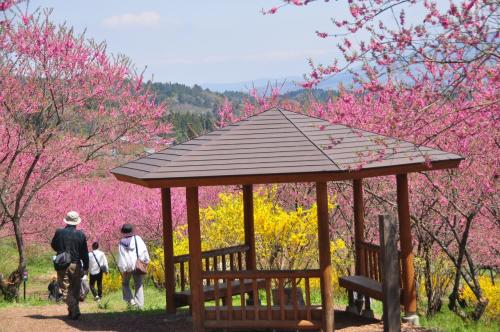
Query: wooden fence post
point(389, 261)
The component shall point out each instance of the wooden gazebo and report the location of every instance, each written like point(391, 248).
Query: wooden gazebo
point(276, 146)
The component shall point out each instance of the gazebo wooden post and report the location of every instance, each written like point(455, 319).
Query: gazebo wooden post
point(195, 261)
point(325, 262)
point(359, 225)
point(359, 236)
point(168, 249)
point(249, 226)
point(409, 291)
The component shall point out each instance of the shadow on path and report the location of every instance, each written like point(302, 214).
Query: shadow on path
point(121, 321)
point(154, 320)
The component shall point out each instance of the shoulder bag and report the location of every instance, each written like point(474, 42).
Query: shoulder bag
point(140, 266)
point(62, 261)
point(102, 269)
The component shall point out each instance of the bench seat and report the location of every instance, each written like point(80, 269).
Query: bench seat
point(183, 298)
point(365, 286)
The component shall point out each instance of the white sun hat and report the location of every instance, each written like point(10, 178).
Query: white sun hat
point(72, 218)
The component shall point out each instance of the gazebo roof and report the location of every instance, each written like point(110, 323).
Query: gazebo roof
point(281, 146)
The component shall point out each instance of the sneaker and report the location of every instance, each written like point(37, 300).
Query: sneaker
point(131, 304)
point(97, 298)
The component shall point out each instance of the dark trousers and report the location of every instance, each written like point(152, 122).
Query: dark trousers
point(69, 281)
point(93, 279)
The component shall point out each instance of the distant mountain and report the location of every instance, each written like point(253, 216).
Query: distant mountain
point(286, 84)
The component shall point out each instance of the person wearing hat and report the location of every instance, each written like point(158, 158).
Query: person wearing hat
point(72, 241)
point(131, 248)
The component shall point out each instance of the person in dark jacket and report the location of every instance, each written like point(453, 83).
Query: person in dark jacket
point(74, 242)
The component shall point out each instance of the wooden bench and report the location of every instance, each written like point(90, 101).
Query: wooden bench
point(369, 283)
point(183, 298)
point(224, 259)
point(364, 285)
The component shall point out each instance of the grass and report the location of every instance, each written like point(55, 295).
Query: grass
point(450, 322)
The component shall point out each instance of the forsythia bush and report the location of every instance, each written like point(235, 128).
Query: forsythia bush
point(156, 268)
point(111, 282)
point(491, 292)
point(441, 271)
point(284, 239)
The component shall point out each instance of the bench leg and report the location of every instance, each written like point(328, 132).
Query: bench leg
point(351, 307)
point(359, 302)
point(368, 312)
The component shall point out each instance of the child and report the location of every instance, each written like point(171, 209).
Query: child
point(54, 291)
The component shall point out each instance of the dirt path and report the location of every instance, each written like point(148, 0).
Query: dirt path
point(53, 318)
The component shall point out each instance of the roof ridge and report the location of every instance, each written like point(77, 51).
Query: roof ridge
point(307, 137)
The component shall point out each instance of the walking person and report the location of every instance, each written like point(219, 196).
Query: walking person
point(71, 261)
point(132, 258)
point(98, 265)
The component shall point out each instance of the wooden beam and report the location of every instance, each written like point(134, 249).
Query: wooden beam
point(249, 226)
point(290, 177)
point(195, 261)
point(325, 261)
point(409, 291)
point(168, 249)
point(389, 261)
point(359, 225)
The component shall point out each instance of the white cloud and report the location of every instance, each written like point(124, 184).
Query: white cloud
point(250, 57)
point(144, 19)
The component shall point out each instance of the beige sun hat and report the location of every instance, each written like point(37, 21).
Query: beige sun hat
point(72, 218)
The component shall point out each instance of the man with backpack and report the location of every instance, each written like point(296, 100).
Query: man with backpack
point(71, 261)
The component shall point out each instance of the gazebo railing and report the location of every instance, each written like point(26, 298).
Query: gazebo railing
point(224, 259)
point(275, 299)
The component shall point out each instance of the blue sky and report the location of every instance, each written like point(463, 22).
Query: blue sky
point(200, 42)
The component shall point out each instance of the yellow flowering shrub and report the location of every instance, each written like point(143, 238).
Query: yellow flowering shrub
point(490, 291)
point(156, 268)
point(111, 282)
point(284, 240)
point(442, 273)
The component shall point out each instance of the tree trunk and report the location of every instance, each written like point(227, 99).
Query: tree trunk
point(454, 293)
point(16, 277)
point(434, 301)
point(480, 308)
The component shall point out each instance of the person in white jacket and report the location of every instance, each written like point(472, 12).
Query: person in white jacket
point(98, 265)
point(127, 257)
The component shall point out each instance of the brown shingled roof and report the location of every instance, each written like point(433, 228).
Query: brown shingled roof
point(281, 146)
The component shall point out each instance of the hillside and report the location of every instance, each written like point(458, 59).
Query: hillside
point(193, 110)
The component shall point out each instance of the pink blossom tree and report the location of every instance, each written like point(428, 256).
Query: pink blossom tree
point(64, 103)
point(105, 204)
